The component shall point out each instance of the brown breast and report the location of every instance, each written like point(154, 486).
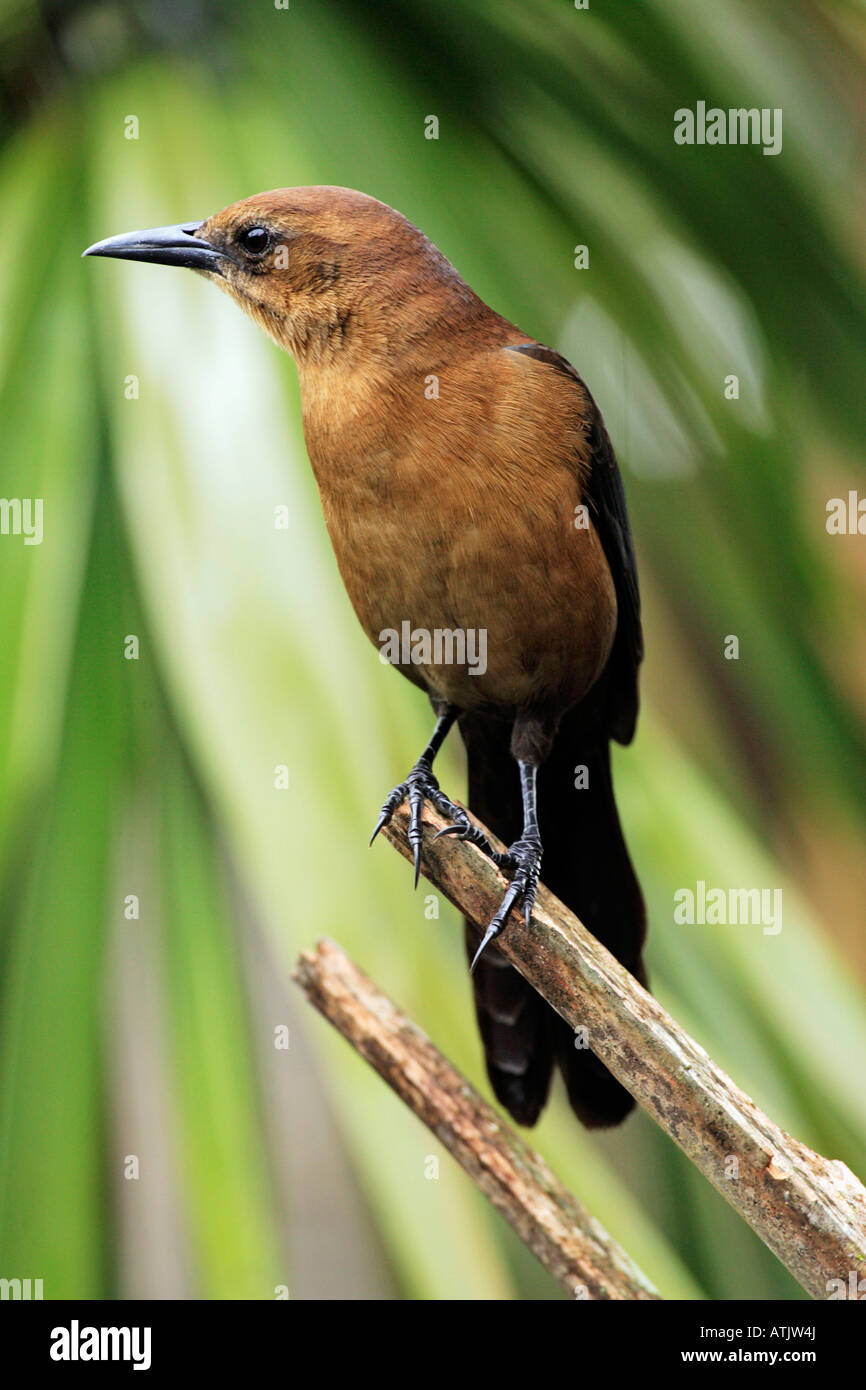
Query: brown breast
point(451, 498)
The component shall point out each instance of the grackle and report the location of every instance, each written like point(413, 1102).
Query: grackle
point(469, 486)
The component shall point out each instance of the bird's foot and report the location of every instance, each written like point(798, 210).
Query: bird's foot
point(524, 858)
point(419, 786)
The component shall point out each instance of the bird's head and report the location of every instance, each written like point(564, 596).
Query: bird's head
point(322, 270)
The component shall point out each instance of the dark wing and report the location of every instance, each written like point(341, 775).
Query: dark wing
point(605, 496)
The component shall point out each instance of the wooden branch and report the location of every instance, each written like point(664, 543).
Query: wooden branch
point(571, 1245)
point(809, 1210)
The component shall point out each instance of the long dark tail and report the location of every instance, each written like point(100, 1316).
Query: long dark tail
point(586, 864)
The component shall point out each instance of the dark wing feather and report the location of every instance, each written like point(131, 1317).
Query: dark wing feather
point(605, 496)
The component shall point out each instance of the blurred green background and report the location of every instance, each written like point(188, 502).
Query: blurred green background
point(162, 432)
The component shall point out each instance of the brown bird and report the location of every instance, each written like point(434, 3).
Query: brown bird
point(470, 490)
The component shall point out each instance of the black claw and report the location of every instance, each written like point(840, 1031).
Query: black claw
point(498, 923)
point(524, 859)
point(511, 897)
point(490, 935)
point(469, 833)
point(416, 807)
point(450, 830)
point(389, 807)
point(416, 848)
point(421, 786)
point(382, 821)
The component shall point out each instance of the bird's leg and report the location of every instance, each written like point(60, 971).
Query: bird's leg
point(524, 858)
point(421, 785)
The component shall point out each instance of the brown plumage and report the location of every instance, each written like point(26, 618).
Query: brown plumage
point(468, 485)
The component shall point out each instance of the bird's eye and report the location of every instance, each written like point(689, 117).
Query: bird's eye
point(255, 240)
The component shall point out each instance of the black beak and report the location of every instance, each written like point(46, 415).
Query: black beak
point(163, 246)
